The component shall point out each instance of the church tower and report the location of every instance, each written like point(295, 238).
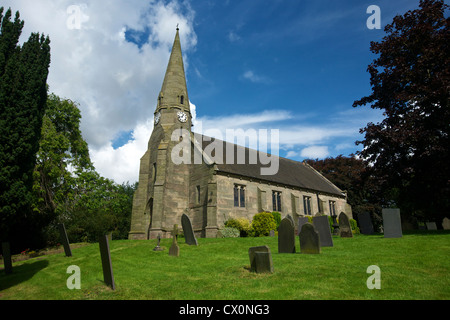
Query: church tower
point(163, 192)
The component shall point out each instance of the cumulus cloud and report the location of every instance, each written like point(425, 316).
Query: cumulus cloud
point(114, 81)
point(315, 152)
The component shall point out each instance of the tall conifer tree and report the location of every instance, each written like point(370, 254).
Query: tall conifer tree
point(23, 96)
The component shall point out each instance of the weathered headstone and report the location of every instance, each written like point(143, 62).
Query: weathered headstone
point(286, 236)
point(7, 261)
point(158, 246)
point(108, 276)
point(392, 223)
point(301, 222)
point(288, 216)
point(272, 233)
point(260, 259)
point(431, 225)
point(64, 239)
point(189, 235)
point(174, 249)
point(365, 223)
point(322, 225)
point(345, 229)
point(309, 239)
point(446, 223)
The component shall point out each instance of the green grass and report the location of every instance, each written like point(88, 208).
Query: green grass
point(416, 266)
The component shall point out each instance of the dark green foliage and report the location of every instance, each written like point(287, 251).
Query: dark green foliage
point(23, 95)
point(409, 151)
point(277, 217)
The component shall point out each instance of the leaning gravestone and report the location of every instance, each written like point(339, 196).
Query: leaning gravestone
point(260, 259)
point(108, 276)
point(345, 229)
point(431, 225)
point(446, 224)
point(174, 250)
point(7, 261)
point(309, 239)
point(64, 239)
point(365, 223)
point(392, 223)
point(189, 235)
point(301, 222)
point(322, 225)
point(286, 236)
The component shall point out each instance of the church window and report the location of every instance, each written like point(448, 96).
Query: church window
point(307, 205)
point(276, 201)
point(332, 208)
point(239, 196)
point(182, 99)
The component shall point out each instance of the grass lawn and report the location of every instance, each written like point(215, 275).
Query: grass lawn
point(416, 266)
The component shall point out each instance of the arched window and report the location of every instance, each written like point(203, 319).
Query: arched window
point(182, 99)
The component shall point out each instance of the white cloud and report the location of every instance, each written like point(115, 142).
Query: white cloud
point(314, 152)
point(114, 81)
point(250, 75)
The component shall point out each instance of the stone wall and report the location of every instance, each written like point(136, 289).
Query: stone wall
point(259, 198)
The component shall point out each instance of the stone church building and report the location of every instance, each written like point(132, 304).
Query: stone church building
point(215, 189)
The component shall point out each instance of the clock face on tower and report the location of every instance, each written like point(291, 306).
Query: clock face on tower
point(157, 118)
point(182, 116)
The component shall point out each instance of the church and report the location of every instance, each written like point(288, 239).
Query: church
point(219, 186)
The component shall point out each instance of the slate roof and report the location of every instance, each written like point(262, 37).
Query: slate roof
point(290, 173)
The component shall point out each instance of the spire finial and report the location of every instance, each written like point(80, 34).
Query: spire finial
point(177, 27)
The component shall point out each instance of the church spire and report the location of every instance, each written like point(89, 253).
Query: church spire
point(174, 90)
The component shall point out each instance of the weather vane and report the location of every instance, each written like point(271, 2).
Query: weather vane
point(177, 26)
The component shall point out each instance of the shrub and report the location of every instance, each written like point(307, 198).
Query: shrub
point(228, 232)
point(277, 217)
point(354, 226)
point(262, 224)
point(242, 224)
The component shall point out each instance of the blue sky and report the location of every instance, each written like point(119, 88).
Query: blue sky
point(306, 60)
point(292, 65)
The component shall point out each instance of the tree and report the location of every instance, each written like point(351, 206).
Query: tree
point(63, 154)
point(409, 151)
point(350, 174)
point(66, 186)
point(23, 95)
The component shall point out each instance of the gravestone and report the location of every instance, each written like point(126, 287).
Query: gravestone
point(345, 229)
point(288, 216)
point(158, 247)
point(189, 235)
point(108, 276)
point(174, 249)
point(431, 225)
point(286, 236)
point(365, 223)
point(322, 225)
point(392, 223)
point(446, 223)
point(309, 239)
point(64, 239)
point(7, 261)
point(272, 233)
point(301, 222)
point(260, 259)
